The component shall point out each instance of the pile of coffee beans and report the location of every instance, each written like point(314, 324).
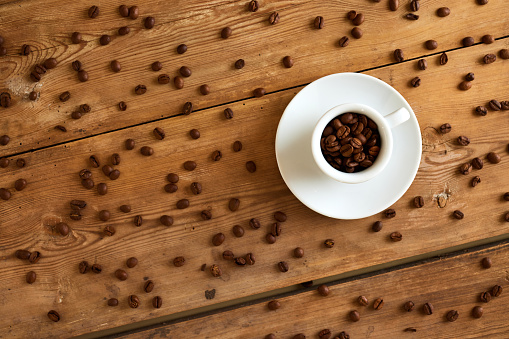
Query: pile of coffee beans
point(351, 142)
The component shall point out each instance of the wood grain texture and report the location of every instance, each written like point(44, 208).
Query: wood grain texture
point(198, 24)
point(28, 219)
point(450, 284)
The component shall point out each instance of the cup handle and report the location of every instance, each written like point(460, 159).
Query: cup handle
point(397, 117)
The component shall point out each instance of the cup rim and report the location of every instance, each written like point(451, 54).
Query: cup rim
point(385, 150)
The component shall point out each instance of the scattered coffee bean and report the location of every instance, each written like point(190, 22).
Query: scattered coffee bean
point(409, 306)
point(431, 44)
point(358, 20)
point(463, 140)
point(76, 115)
point(324, 334)
point(319, 22)
point(107, 169)
point(179, 261)
point(477, 163)
point(274, 18)
point(96, 268)
point(343, 335)
point(489, 58)
point(396, 236)
point(21, 162)
point(504, 53)
point(194, 133)
point(414, 5)
point(32, 96)
point(288, 61)
point(270, 238)
point(452, 315)
point(123, 10)
point(443, 12)
point(240, 261)
point(146, 151)
point(411, 16)
point(234, 204)
point(190, 165)
point(76, 38)
point(133, 301)
point(228, 255)
point(115, 66)
point(156, 66)
point(104, 39)
point(121, 274)
point(505, 105)
point(182, 48)
point(493, 157)
point(354, 316)
point(237, 146)
point(159, 133)
point(356, 32)
point(486, 262)
point(182, 204)
point(393, 5)
point(34, 257)
point(129, 144)
point(378, 304)
point(226, 32)
point(163, 79)
point(122, 106)
point(138, 220)
point(443, 59)
point(157, 302)
point(215, 270)
point(477, 312)
point(362, 300)
point(377, 226)
point(254, 223)
point(415, 82)
point(148, 286)
point(485, 297)
point(216, 155)
point(419, 201)
point(62, 228)
point(238, 231)
point(283, 266)
point(390, 213)
point(506, 196)
point(259, 92)
point(228, 113)
point(131, 262)
point(124, 30)
point(496, 291)
point(427, 308)
point(204, 89)
point(323, 290)
point(26, 50)
point(351, 15)
point(109, 231)
point(54, 316)
point(398, 55)
point(470, 76)
point(150, 22)
point(40, 69)
point(276, 229)
point(22, 254)
point(102, 189)
point(31, 277)
point(495, 105)
point(273, 305)
point(475, 181)
point(468, 41)
point(93, 12)
point(113, 302)
point(188, 108)
point(50, 63)
point(83, 76)
point(488, 39)
point(239, 64)
point(20, 184)
point(166, 220)
point(87, 183)
point(481, 110)
point(298, 252)
point(465, 168)
point(458, 214)
point(344, 41)
point(218, 239)
point(251, 166)
point(134, 12)
point(34, 76)
point(329, 243)
point(140, 89)
point(280, 216)
point(482, 2)
point(4, 162)
point(65, 96)
point(179, 82)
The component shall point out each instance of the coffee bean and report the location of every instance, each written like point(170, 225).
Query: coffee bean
point(104, 39)
point(78, 204)
point(34, 76)
point(150, 22)
point(32, 96)
point(505, 105)
point(396, 236)
point(259, 92)
point(179, 82)
point(20, 184)
point(324, 334)
point(157, 302)
point(159, 133)
point(377, 226)
point(146, 151)
point(34, 257)
point(393, 5)
point(481, 110)
point(362, 300)
point(273, 305)
point(76, 38)
point(124, 30)
point(427, 308)
point(4, 140)
point(280, 216)
point(4, 162)
point(415, 82)
point(239, 64)
point(121, 274)
point(190, 165)
point(319, 22)
point(238, 231)
point(356, 32)
point(93, 12)
point(409, 306)
point(411, 16)
point(181, 49)
point(206, 215)
point(228, 113)
point(488, 39)
point(493, 157)
point(489, 58)
point(465, 168)
point(276, 229)
point(228, 255)
point(390, 213)
point(234, 204)
point(358, 20)
point(344, 41)
point(431, 44)
point(468, 41)
point(323, 290)
point(22, 254)
point(83, 267)
point(62, 228)
point(196, 188)
point(378, 304)
point(49, 64)
point(351, 15)
point(504, 53)
point(298, 252)
point(299, 336)
point(398, 55)
point(204, 89)
point(54, 316)
point(443, 12)
point(109, 231)
point(463, 140)
point(148, 286)
point(288, 61)
point(329, 243)
point(226, 32)
point(496, 291)
point(254, 223)
point(87, 183)
point(76, 115)
point(251, 166)
point(486, 262)
point(123, 10)
point(179, 261)
point(283, 266)
point(485, 297)
point(115, 66)
point(138, 220)
point(443, 59)
point(21, 162)
point(156, 66)
point(26, 50)
point(477, 312)
point(163, 79)
point(240, 261)
point(102, 189)
point(237, 146)
point(188, 108)
point(458, 214)
point(475, 181)
point(354, 316)
point(166, 220)
point(182, 204)
point(215, 270)
point(83, 76)
point(31, 277)
point(482, 2)
point(104, 215)
point(107, 169)
point(419, 201)
point(133, 301)
point(470, 76)
point(274, 18)
point(343, 335)
point(452, 315)
point(506, 196)
point(96, 268)
point(134, 12)
point(129, 144)
point(94, 161)
point(140, 89)
point(495, 105)
point(113, 302)
point(65, 96)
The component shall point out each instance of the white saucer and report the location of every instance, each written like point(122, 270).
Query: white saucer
point(318, 191)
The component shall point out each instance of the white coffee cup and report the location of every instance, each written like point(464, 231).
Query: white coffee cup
point(384, 123)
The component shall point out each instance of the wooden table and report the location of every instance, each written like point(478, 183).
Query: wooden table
point(438, 261)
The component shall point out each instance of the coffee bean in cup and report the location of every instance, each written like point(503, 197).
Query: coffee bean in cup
point(350, 142)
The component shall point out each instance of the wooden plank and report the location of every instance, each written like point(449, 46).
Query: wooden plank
point(451, 284)
point(29, 217)
point(197, 23)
